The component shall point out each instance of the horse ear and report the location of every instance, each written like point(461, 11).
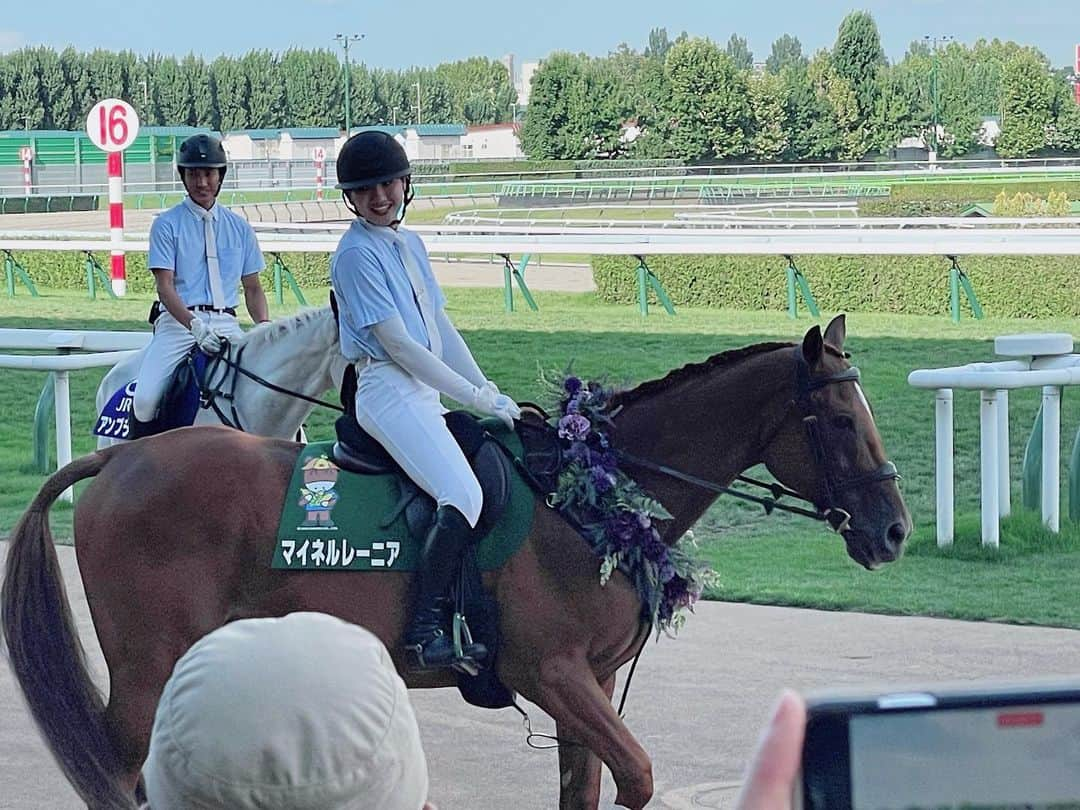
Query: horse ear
point(812, 346)
point(836, 332)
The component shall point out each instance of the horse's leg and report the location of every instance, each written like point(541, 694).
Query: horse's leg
point(579, 768)
point(130, 718)
point(569, 692)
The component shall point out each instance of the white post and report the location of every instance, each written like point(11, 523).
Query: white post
point(1004, 488)
point(62, 408)
point(989, 467)
point(943, 467)
point(1051, 457)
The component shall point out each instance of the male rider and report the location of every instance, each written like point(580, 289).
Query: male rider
point(200, 253)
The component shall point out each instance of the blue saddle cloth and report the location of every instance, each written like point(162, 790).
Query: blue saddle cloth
point(178, 408)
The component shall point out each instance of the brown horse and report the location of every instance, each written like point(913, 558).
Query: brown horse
point(175, 536)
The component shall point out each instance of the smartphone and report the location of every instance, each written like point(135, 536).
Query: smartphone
point(965, 746)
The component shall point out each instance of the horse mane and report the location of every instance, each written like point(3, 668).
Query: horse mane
point(273, 331)
point(692, 370)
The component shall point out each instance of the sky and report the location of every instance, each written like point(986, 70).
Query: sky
point(423, 32)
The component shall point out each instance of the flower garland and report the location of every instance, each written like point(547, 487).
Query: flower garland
point(614, 514)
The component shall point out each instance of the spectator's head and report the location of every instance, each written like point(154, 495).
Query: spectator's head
point(303, 712)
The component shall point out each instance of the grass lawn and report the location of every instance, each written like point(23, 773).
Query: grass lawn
point(1033, 578)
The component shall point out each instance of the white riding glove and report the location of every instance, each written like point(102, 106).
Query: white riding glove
point(489, 401)
point(209, 340)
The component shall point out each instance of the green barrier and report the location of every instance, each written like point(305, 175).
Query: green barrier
point(1031, 472)
point(14, 271)
point(43, 417)
point(283, 275)
point(795, 278)
point(1074, 480)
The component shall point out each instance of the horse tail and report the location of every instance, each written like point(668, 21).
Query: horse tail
point(47, 656)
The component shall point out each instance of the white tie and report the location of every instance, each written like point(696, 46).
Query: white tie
point(420, 291)
point(217, 293)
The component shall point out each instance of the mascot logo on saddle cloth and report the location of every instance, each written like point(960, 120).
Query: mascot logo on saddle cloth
point(317, 496)
point(201, 253)
point(407, 353)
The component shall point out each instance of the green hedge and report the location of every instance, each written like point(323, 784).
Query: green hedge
point(1007, 286)
point(67, 270)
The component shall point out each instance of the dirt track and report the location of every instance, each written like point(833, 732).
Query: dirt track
point(696, 703)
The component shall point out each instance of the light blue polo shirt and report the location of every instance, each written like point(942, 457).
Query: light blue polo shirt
point(371, 285)
point(178, 243)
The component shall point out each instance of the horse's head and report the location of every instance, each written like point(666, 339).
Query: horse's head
point(829, 449)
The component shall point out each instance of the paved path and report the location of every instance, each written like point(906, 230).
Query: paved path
point(696, 704)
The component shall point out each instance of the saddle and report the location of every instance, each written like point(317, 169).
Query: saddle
point(179, 404)
point(476, 611)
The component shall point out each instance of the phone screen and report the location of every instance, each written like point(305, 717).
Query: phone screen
point(999, 757)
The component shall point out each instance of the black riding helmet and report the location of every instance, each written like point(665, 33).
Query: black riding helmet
point(369, 158)
point(202, 151)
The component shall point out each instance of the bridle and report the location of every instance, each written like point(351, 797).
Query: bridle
point(826, 510)
point(209, 395)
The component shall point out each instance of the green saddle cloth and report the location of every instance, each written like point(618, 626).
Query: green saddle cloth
point(335, 520)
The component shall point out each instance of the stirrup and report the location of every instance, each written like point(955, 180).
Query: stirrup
point(441, 651)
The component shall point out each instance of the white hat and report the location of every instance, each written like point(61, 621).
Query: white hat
point(303, 712)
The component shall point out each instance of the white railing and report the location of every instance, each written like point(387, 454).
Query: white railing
point(108, 348)
point(1047, 363)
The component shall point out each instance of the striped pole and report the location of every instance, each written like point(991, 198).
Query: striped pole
point(318, 179)
point(28, 185)
point(116, 222)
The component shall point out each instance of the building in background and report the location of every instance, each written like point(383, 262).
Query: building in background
point(492, 142)
point(525, 84)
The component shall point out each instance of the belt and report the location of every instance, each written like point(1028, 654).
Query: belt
point(211, 308)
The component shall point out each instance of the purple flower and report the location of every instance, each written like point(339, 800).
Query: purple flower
point(602, 480)
point(574, 427)
point(572, 385)
point(622, 530)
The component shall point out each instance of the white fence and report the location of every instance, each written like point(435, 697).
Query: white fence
point(107, 349)
point(1048, 363)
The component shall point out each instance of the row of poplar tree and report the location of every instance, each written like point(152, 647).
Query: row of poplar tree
point(687, 98)
point(43, 89)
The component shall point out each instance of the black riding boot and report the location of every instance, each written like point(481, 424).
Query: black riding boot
point(428, 642)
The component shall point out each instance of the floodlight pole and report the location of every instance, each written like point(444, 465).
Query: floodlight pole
point(345, 39)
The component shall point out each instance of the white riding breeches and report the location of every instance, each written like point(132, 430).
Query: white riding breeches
point(169, 345)
point(406, 417)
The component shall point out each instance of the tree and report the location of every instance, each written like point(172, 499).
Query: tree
point(897, 112)
point(266, 90)
point(54, 93)
point(231, 93)
point(574, 110)
point(314, 88)
point(480, 90)
point(172, 92)
point(708, 108)
point(857, 57)
point(1066, 119)
point(26, 107)
point(786, 51)
point(659, 44)
point(77, 91)
point(1027, 92)
point(364, 107)
point(547, 117)
point(769, 139)
point(739, 52)
point(201, 89)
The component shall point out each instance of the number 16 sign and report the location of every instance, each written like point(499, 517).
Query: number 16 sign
point(112, 126)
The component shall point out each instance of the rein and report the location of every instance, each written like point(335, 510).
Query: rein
point(211, 394)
